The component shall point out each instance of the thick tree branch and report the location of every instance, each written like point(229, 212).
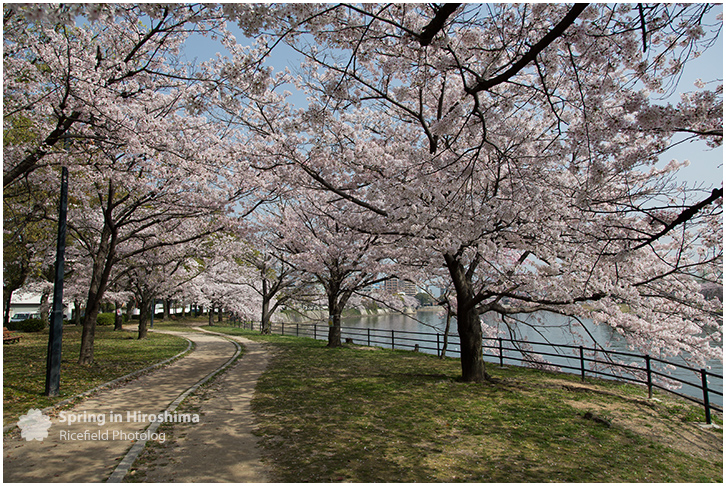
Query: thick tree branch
point(643, 27)
point(685, 215)
point(437, 23)
point(341, 193)
point(557, 31)
point(29, 163)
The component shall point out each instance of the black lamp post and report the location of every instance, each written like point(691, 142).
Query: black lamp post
point(52, 375)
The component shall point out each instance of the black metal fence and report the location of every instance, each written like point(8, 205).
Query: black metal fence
point(651, 372)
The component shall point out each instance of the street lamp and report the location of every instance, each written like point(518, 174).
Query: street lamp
point(52, 374)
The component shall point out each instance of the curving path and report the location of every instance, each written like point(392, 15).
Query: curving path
point(61, 458)
point(221, 448)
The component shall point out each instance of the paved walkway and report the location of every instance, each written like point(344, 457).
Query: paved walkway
point(221, 448)
point(71, 453)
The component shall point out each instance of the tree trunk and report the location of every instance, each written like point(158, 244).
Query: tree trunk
point(102, 264)
point(89, 329)
point(130, 306)
point(265, 326)
point(44, 308)
point(88, 334)
point(446, 333)
point(334, 331)
point(145, 309)
point(470, 336)
point(119, 319)
point(8, 294)
point(335, 307)
point(219, 315)
point(77, 315)
point(211, 315)
point(467, 316)
point(337, 299)
point(167, 305)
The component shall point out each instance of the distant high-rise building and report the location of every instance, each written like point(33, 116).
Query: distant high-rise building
point(407, 287)
point(391, 286)
point(398, 286)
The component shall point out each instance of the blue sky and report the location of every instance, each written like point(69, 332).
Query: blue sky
point(706, 163)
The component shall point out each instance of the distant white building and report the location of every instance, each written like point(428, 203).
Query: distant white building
point(29, 303)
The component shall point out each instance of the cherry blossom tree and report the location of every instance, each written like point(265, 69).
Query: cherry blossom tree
point(108, 96)
point(225, 279)
point(519, 145)
point(343, 261)
point(158, 273)
point(20, 258)
point(101, 76)
point(276, 282)
point(121, 214)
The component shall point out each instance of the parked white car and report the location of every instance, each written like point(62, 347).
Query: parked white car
point(24, 316)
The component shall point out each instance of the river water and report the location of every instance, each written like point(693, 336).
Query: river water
point(550, 328)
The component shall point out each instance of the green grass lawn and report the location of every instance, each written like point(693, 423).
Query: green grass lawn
point(116, 353)
point(370, 415)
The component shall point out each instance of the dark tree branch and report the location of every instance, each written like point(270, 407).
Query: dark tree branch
point(341, 193)
point(152, 32)
point(437, 23)
point(29, 163)
point(685, 215)
point(557, 31)
point(643, 27)
point(716, 132)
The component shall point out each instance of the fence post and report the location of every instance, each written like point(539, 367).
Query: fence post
point(582, 363)
point(393, 340)
point(501, 353)
point(297, 329)
point(706, 404)
point(649, 376)
point(369, 336)
point(315, 330)
point(438, 346)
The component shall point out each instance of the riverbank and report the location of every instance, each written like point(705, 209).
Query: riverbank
point(294, 316)
point(423, 327)
point(397, 416)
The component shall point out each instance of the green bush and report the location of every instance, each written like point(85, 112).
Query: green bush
point(28, 325)
point(106, 319)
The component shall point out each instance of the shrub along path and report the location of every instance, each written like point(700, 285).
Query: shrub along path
point(62, 458)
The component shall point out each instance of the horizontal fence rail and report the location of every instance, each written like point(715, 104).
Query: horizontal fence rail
point(585, 361)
